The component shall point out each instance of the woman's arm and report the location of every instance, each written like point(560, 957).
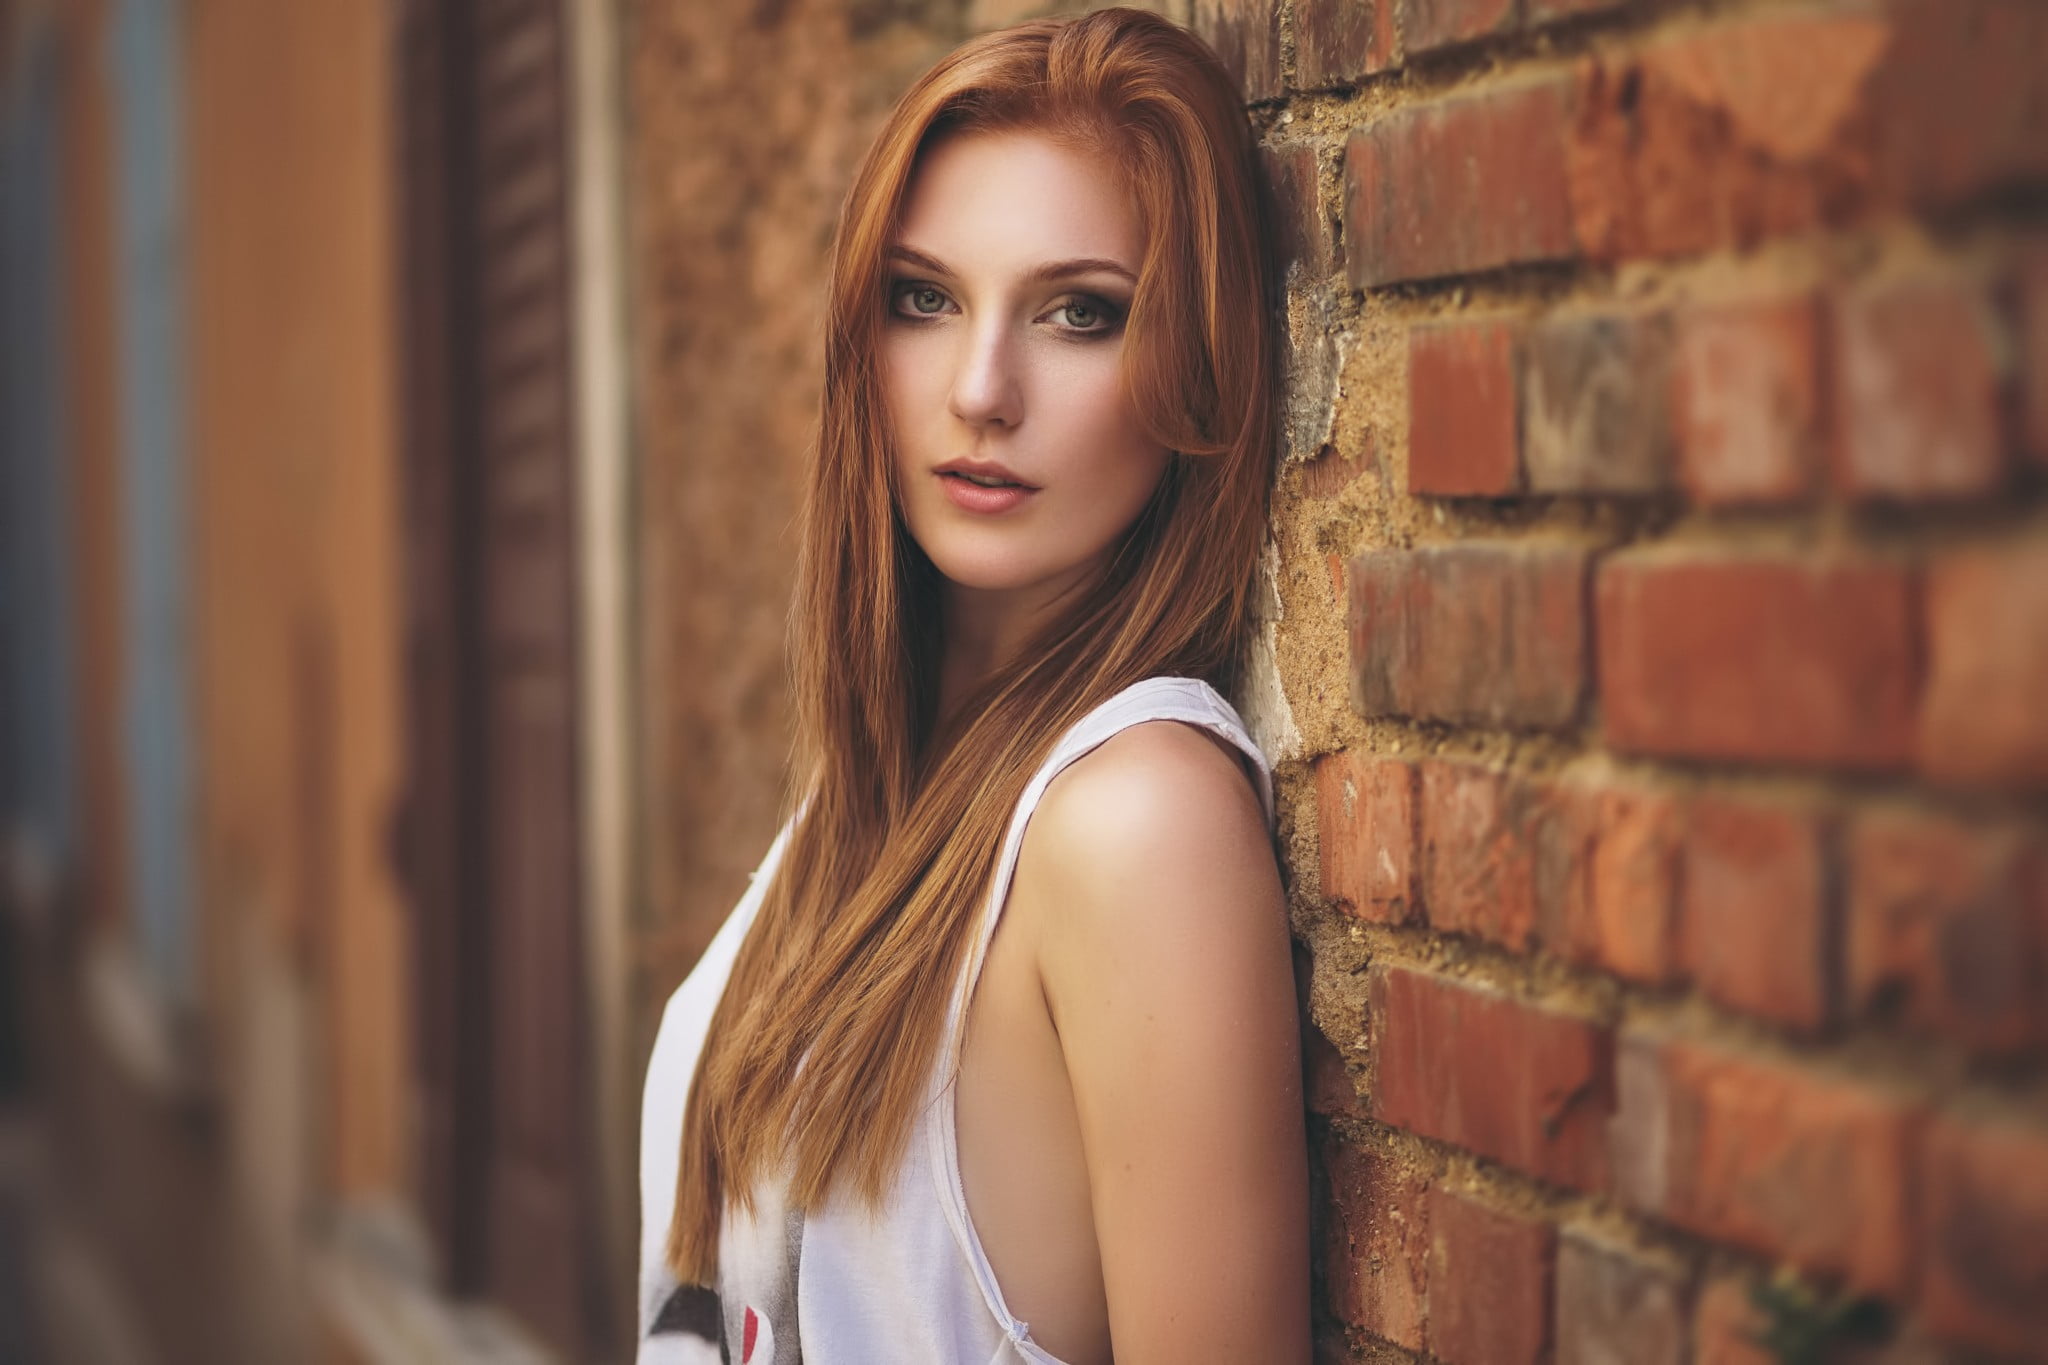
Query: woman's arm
point(1166, 965)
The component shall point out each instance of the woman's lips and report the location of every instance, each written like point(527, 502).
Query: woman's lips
point(972, 497)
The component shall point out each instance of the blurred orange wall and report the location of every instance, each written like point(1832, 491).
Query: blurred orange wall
point(296, 531)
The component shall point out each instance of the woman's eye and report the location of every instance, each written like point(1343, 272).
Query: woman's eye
point(1086, 315)
point(923, 300)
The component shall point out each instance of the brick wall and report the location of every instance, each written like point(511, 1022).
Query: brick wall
point(1660, 670)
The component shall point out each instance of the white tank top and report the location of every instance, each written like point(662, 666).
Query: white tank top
point(912, 1283)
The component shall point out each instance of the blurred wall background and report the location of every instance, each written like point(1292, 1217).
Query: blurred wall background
point(404, 403)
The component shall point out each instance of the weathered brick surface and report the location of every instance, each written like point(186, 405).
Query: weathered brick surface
point(1487, 634)
point(1595, 411)
point(1338, 42)
point(1246, 35)
point(1615, 1305)
point(1696, 143)
point(1761, 128)
point(1545, 11)
point(1756, 917)
point(1430, 24)
point(1608, 879)
point(1518, 1082)
point(1306, 235)
point(1785, 1161)
point(2033, 343)
point(1760, 659)
point(1984, 1274)
point(1961, 105)
point(1746, 400)
point(1464, 420)
point(1987, 658)
point(1376, 1243)
point(1479, 859)
point(1944, 927)
point(1727, 1329)
point(1367, 809)
point(1490, 1275)
point(1469, 184)
point(1917, 389)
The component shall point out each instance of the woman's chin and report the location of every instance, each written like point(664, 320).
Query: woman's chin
point(998, 573)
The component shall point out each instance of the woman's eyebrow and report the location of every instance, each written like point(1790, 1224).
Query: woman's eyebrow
point(1051, 270)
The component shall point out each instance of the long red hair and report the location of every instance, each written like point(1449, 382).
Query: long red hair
point(863, 931)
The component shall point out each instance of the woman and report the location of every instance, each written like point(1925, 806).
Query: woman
point(997, 1058)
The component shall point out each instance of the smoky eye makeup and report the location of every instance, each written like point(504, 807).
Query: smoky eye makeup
point(1087, 316)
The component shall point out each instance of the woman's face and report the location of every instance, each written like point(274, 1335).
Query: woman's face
point(1003, 348)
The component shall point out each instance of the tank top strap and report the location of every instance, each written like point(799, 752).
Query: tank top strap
point(1164, 697)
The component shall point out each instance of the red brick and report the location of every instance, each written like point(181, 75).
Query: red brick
point(1984, 720)
point(1246, 35)
point(1547, 11)
point(1463, 422)
point(1325, 475)
point(1366, 808)
point(1376, 1242)
point(1727, 1328)
point(1724, 137)
point(1479, 844)
point(1943, 924)
point(1338, 42)
point(1749, 130)
point(1984, 1275)
point(1616, 883)
point(1431, 24)
point(1755, 912)
point(1916, 392)
point(2033, 335)
point(1596, 415)
point(1561, 833)
point(1490, 1276)
point(1304, 230)
point(1746, 402)
point(1961, 106)
point(1762, 659)
point(1468, 184)
point(1510, 1080)
point(1768, 1156)
point(1614, 1305)
point(1482, 634)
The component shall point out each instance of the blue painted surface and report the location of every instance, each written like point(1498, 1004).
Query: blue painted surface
point(147, 67)
point(37, 749)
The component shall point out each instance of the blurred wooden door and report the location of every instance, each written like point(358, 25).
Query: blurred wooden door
point(507, 1163)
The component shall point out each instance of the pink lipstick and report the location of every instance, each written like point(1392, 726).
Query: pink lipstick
point(983, 485)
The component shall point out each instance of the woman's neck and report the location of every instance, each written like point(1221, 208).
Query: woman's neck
point(986, 628)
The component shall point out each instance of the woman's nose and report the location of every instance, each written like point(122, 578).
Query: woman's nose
point(986, 390)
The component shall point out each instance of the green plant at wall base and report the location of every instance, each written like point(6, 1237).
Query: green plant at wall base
point(1802, 1326)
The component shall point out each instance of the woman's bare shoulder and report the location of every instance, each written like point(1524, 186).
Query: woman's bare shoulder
point(1160, 824)
point(1151, 779)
